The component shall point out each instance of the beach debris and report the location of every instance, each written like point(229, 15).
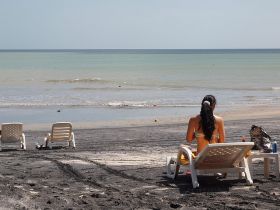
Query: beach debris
point(42, 147)
point(175, 205)
point(31, 183)
point(244, 188)
point(82, 201)
point(82, 196)
point(18, 186)
point(98, 195)
point(33, 192)
point(155, 120)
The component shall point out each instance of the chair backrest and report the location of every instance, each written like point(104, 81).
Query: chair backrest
point(222, 155)
point(61, 131)
point(11, 132)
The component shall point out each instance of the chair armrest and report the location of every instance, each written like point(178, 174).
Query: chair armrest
point(186, 150)
point(47, 137)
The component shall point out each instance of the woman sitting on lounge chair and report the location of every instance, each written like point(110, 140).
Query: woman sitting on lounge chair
point(206, 128)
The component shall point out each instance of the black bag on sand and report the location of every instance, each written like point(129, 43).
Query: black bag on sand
point(261, 139)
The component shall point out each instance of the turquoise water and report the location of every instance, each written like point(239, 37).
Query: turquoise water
point(96, 85)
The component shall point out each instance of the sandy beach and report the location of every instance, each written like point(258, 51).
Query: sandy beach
point(124, 168)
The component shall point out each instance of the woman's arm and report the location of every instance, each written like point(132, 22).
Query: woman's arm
point(221, 130)
point(190, 132)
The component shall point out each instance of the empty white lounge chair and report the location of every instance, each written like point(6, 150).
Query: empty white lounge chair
point(61, 131)
point(12, 134)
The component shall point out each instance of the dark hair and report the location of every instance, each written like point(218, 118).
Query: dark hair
point(207, 121)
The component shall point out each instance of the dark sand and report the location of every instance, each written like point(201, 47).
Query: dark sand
point(124, 168)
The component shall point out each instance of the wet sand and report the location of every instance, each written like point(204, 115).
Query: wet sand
point(124, 168)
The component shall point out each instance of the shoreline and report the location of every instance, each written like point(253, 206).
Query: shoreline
point(245, 113)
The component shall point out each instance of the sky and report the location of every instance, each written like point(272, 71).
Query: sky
point(139, 24)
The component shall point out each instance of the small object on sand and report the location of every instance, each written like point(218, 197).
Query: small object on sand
point(175, 205)
point(119, 86)
point(41, 147)
point(155, 120)
point(38, 146)
point(98, 195)
point(82, 196)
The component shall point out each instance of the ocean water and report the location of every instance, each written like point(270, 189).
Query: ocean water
point(104, 85)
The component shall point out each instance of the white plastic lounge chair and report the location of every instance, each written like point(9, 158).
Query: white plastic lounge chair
point(214, 158)
point(61, 131)
point(11, 133)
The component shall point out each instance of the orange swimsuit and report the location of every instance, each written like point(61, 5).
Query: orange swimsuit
point(201, 144)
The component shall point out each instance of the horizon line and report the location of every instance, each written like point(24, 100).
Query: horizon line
point(46, 49)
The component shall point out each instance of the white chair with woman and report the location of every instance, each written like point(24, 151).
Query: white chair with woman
point(212, 154)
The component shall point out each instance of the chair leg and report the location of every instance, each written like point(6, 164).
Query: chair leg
point(247, 171)
point(277, 166)
point(167, 165)
point(251, 168)
point(23, 142)
point(73, 140)
point(47, 140)
point(194, 176)
point(48, 143)
point(266, 167)
point(241, 174)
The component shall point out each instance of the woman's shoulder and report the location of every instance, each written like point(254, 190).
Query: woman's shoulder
point(194, 118)
point(219, 119)
point(197, 117)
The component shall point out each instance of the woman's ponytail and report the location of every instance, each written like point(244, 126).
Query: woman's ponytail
point(207, 117)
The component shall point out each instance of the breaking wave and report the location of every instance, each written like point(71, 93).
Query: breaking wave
point(144, 104)
point(77, 80)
